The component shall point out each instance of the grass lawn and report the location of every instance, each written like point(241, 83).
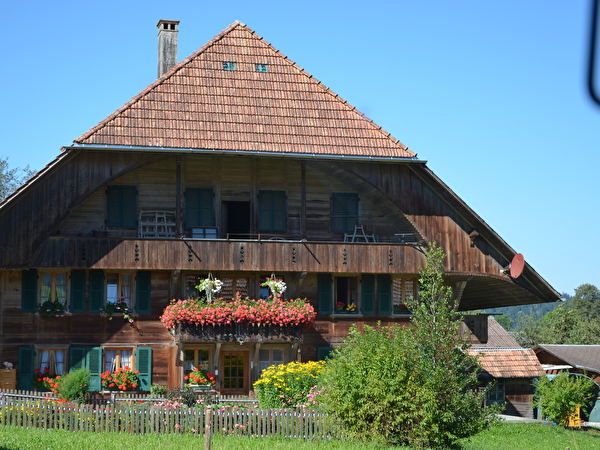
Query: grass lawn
point(502, 437)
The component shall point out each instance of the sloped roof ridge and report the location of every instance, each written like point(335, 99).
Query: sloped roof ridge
point(239, 25)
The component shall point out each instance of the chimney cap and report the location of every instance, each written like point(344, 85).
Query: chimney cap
point(167, 25)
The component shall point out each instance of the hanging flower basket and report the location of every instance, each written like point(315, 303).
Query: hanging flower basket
point(275, 285)
point(211, 286)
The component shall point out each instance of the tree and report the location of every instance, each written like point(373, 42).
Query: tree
point(504, 321)
point(411, 385)
point(586, 301)
point(559, 397)
point(11, 179)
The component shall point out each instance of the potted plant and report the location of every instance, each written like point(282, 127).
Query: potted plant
point(122, 379)
point(52, 309)
point(210, 286)
point(119, 307)
point(275, 285)
point(200, 379)
point(42, 379)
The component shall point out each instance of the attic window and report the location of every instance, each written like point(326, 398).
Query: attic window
point(262, 68)
point(229, 66)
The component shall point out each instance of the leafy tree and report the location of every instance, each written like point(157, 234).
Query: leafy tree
point(411, 385)
point(504, 321)
point(10, 179)
point(586, 301)
point(559, 397)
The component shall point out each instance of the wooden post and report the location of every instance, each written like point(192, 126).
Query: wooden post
point(207, 427)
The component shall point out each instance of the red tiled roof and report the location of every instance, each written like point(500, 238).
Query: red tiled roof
point(199, 105)
point(508, 363)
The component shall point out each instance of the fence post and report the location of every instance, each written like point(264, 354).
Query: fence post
point(207, 427)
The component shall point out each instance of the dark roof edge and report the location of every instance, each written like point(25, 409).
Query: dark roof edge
point(132, 148)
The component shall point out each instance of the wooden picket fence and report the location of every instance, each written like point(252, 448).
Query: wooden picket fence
point(140, 417)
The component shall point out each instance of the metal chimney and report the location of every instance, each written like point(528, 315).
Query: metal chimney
point(167, 45)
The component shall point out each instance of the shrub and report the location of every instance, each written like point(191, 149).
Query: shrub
point(559, 397)
point(158, 391)
point(288, 385)
point(75, 385)
point(122, 379)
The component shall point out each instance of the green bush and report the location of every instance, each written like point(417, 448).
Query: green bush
point(74, 386)
point(289, 385)
point(411, 385)
point(559, 397)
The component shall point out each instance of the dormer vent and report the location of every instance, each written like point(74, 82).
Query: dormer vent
point(167, 45)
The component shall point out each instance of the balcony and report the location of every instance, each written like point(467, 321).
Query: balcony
point(241, 333)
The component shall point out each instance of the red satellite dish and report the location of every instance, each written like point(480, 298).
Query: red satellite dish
point(517, 265)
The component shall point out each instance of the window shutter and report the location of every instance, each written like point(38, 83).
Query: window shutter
point(207, 213)
point(77, 304)
point(264, 210)
point(337, 213)
point(77, 358)
point(129, 206)
point(384, 294)
point(113, 206)
point(96, 290)
point(199, 211)
point(368, 294)
point(143, 358)
point(279, 211)
point(29, 290)
point(192, 213)
point(323, 353)
point(94, 363)
point(25, 368)
point(325, 298)
point(143, 291)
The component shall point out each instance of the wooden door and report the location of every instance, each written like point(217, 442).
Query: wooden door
point(235, 373)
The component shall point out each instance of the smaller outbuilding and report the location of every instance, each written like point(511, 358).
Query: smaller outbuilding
point(512, 367)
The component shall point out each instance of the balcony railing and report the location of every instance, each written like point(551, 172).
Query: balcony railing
point(241, 333)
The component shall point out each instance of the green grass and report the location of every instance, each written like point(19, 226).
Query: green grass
point(501, 437)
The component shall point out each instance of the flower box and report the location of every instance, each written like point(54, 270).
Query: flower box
point(187, 332)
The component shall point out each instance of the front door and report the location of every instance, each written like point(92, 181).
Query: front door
point(234, 373)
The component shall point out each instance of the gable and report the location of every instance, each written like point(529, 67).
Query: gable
point(200, 105)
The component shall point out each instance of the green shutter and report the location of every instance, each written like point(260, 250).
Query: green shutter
point(264, 210)
point(96, 290)
point(143, 358)
point(94, 363)
point(77, 358)
point(325, 298)
point(113, 206)
point(192, 213)
point(368, 294)
point(77, 303)
point(199, 211)
point(128, 206)
point(25, 368)
point(323, 353)
point(143, 292)
point(207, 212)
point(279, 217)
point(29, 290)
point(384, 294)
point(344, 212)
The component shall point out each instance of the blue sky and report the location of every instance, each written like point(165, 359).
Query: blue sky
point(491, 94)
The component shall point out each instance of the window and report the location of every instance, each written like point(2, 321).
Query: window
point(269, 357)
point(195, 358)
point(191, 281)
point(229, 66)
point(403, 289)
point(344, 212)
point(264, 68)
point(118, 287)
point(199, 211)
point(121, 208)
point(51, 359)
point(54, 287)
point(117, 358)
point(345, 295)
point(233, 285)
point(496, 394)
point(272, 211)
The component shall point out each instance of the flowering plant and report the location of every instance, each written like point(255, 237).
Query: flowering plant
point(201, 377)
point(276, 285)
point(211, 286)
point(42, 379)
point(119, 307)
point(52, 309)
point(341, 307)
point(122, 379)
point(238, 310)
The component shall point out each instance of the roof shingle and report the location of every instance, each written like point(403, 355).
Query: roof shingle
point(199, 105)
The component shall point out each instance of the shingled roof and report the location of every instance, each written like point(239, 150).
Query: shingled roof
point(200, 105)
point(586, 357)
point(507, 362)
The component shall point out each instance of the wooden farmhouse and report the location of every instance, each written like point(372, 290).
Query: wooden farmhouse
point(237, 165)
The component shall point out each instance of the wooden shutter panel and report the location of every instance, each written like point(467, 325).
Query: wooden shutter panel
point(25, 368)
point(368, 294)
point(96, 290)
point(77, 303)
point(323, 353)
point(279, 211)
point(192, 214)
point(113, 206)
point(325, 297)
point(94, 363)
point(384, 294)
point(337, 213)
point(128, 206)
point(264, 210)
point(77, 358)
point(143, 361)
point(29, 290)
point(143, 291)
point(207, 212)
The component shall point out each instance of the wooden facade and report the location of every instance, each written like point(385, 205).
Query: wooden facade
point(337, 221)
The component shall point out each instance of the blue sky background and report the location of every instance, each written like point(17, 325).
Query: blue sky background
point(491, 94)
